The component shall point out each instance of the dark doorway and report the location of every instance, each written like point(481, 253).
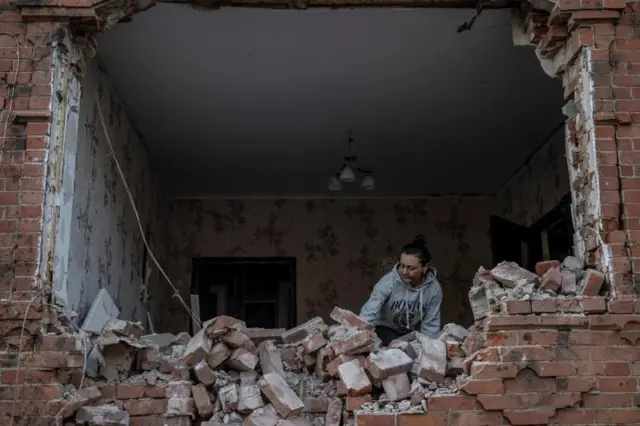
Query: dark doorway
point(260, 291)
point(550, 238)
point(555, 232)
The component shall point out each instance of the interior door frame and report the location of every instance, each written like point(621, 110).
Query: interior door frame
point(199, 262)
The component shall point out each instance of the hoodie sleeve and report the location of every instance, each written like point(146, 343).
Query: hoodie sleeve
point(371, 310)
point(431, 316)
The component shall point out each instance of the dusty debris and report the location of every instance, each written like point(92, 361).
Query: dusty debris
point(553, 279)
point(310, 375)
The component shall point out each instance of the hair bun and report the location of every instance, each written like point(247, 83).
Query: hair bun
point(419, 240)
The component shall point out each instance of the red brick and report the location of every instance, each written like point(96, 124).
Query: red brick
point(575, 384)
point(573, 416)
point(539, 337)
point(450, 402)
point(536, 416)
point(427, 419)
point(620, 306)
point(544, 306)
point(516, 307)
point(622, 400)
point(385, 419)
point(618, 416)
point(475, 387)
point(617, 384)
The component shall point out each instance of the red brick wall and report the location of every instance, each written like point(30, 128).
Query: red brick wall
point(534, 367)
point(566, 363)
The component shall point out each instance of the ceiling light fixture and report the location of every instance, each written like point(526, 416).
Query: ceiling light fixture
point(348, 170)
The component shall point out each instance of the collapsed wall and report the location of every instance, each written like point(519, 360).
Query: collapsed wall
point(545, 348)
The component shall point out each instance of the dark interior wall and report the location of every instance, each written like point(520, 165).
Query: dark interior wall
point(340, 245)
point(538, 186)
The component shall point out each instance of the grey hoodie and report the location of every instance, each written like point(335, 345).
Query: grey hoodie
point(400, 306)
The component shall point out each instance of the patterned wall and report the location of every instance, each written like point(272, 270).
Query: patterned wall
point(106, 248)
point(537, 188)
point(339, 244)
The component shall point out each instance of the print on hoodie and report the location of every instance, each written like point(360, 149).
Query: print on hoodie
point(396, 304)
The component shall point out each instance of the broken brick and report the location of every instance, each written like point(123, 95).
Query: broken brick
point(389, 362)
point(591, 283)
point(264, 416)
point(242, 360)
point(551, 280)
point(433, 359)
point(204, 373)
point(301, 332)
point(334, 413)
point(397, 387)
point(280, 395)
point(354, 378)
point(313, 343)
point(198, 348)
point(348, 318)
point(270, 359)
point(542, 267)
point(219, 354)
point(236, 339)
point(202, 401)
point(218, 326)
point(357, 340)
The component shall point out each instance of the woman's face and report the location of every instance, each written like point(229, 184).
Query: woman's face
point(411, 269)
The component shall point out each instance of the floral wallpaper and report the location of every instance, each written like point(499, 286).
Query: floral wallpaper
point(106, 248)
point(342, 247)
point(538, 187)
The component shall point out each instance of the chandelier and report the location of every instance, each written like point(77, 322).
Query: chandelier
point(349, 171)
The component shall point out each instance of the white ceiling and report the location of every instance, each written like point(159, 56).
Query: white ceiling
point(259, 102)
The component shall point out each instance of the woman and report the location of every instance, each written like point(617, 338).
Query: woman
point(407, 298)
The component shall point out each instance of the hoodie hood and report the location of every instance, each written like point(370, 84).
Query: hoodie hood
point(398, 279)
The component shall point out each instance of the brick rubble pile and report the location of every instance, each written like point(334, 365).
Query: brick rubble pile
point(311, 375)
point(551, 280)
point(228, 374)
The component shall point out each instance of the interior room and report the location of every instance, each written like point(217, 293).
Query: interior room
point(233, 129)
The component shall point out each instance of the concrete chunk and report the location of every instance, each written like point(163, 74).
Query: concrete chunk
point(242, 360)
point(354, 378)
point(228, 397)
point(219, 354)
point(270, 359)
point(301, 332)
point(510, 274)
point(334, 412)
point(433, 359)
point(405, 347)
point(179, 389)
point(397, 387)
point(389, 362)
point(202, 401)
point(204, 373)
point(313, 343)
point(454, 331)
point(479, 302)
point(102, 415)
point(198, 348)
point(568, 285)
point(249, 398)
point(281, 396)
point(265, 416)
point(180, 407)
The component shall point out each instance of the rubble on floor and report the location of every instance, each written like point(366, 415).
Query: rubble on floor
point(551, 280)
point(312, 375)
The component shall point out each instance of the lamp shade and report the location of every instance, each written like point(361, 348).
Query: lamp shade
point(347, 175)
point(368, 183)
point(334, 184)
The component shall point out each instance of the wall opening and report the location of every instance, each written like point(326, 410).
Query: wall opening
point(259, 291)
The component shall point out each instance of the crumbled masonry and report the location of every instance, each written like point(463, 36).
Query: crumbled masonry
point(312, 375)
